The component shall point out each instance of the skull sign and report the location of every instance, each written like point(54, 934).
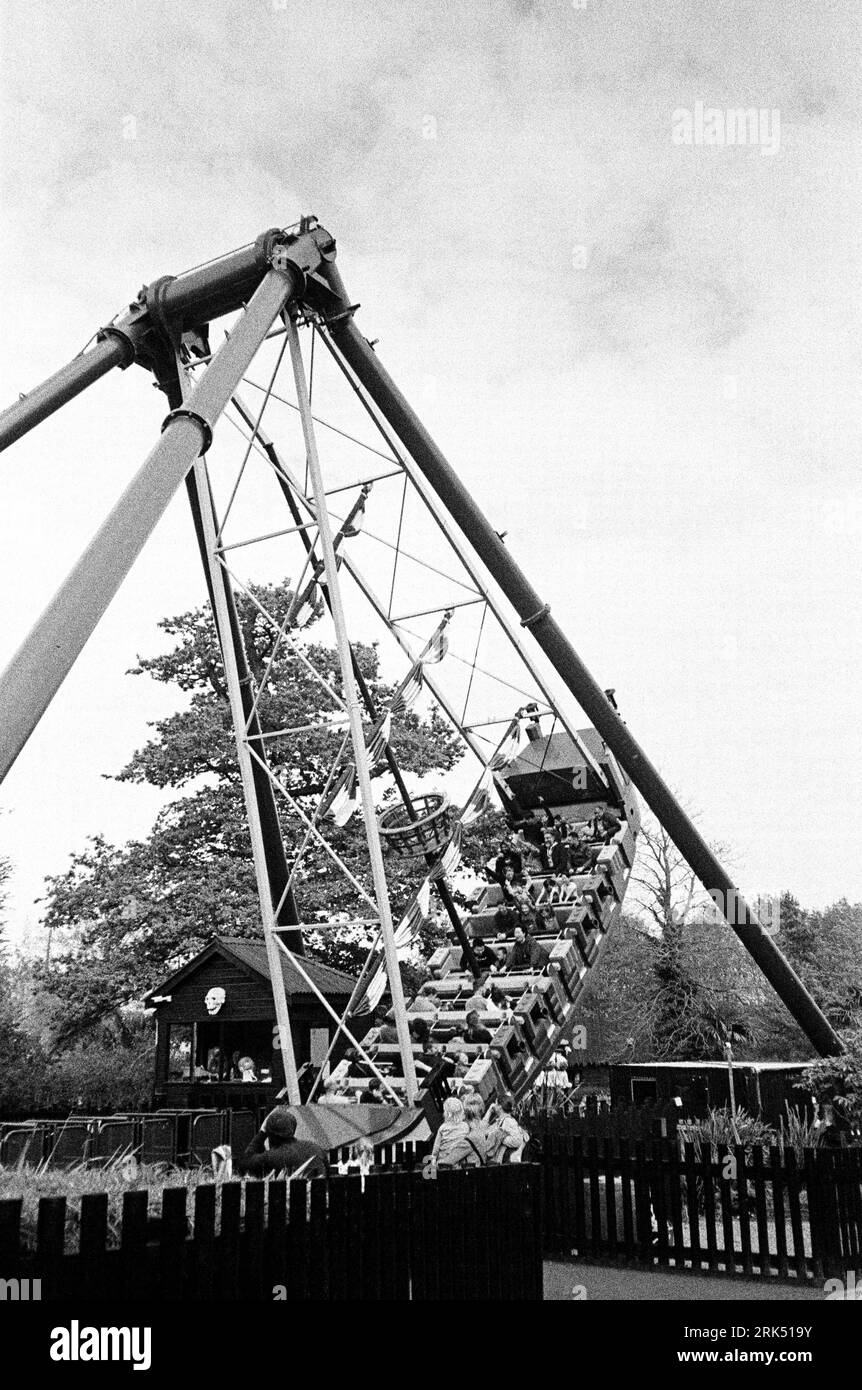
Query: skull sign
point(214, 999)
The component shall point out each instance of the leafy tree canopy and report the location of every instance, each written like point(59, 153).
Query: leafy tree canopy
point(137, 911)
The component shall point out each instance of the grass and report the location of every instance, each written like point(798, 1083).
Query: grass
point(116, 1178)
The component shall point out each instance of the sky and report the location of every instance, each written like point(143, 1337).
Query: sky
point(641, 355)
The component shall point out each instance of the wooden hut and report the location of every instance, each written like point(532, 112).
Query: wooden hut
point(217, 1043)
point(761, 1088)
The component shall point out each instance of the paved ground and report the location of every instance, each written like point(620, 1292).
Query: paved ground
point(607, 1282)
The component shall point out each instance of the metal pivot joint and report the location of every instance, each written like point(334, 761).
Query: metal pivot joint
point(206, 428)
point(178, 308)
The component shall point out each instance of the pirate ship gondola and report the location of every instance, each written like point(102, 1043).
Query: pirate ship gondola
point(550, 779)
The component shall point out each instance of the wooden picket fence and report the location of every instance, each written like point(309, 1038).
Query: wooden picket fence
point(393, 1235)
point(605, 1121)
point(751, 1212)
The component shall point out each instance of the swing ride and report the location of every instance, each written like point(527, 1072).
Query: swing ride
point(379, 538)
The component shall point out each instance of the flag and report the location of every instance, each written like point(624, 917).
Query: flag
point(414, 916)
point(437, 647)
point(408, 692)
point(369, 995)
point(379, 740)
point(304, 613)
point(480, 799)
point(450, 858)
point(344, 800)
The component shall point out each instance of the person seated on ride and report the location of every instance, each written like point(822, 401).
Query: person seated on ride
point(530, 832)
point(510, 883)
point(526, 954)
point(604, 824)
point(425, 1003)
point(501, 952)
point(552, 890)
point(275, 1149)
point(561, 861)
point(530, 919)
point(493, 1002)
point(429, 1058)
point(530, 853)
point(522, 898)
point(475, 1001)
point(577, 839)
point(463, 1064)
point(508, 858)
point(420, 1030)
point(482, 954)
point(388, 1031)
point(354, 1064)
point(336, 1092)
point(546, 920)
point(373, 1093)
point(446, 1152)
point(505, 920)
point(474, 1032)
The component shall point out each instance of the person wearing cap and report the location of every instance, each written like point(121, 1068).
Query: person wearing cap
point(275, 1149)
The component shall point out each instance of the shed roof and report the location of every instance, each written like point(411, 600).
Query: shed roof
point(252, 956)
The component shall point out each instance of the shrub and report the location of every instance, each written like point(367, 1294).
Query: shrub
point(799, 1131)
point(837, 1081)
point(723, 1127)
point(94, 1078)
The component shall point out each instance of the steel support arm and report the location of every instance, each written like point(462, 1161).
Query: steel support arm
point(47, 654)
point(535, 616)
point(62, 387)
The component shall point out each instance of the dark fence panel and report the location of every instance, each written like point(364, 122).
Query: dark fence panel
point(603, 1121)
point(742, 1212)
point(390, 1236)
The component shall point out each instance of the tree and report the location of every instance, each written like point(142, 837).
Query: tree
point(837, 1081)
point(674, 981)
point(690, 1017)
point(825, 948)
point(139, 910)
point(15, 1048)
